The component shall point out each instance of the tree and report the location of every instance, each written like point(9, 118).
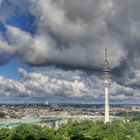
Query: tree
point(30, 137)
point(16, 137)
point(43, 139)
point(77, 137)
point(2, 115)
point(4, 133)
point(86, 130)
point(25, 131)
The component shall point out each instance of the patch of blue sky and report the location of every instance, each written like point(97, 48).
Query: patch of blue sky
point(25, 22)
point(10, 70)
point(2, 27)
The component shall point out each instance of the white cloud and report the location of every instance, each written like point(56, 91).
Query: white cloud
point(11, 87)
point(61, 83)
point(51, 83)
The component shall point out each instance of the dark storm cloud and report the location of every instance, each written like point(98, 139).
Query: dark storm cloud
point(78, 31)
point(65, 38)
point(74, 34)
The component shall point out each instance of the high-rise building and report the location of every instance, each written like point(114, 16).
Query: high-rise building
point(107, 83)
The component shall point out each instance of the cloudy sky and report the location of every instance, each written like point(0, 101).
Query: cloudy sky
point(54, 50)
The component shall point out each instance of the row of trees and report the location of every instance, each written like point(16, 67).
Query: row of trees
point(132, 116)
point(86, 130)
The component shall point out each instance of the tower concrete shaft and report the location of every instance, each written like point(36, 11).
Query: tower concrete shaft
point(106, 105)
point(107, 82)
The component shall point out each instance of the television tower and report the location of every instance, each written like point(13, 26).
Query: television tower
point(107, 83)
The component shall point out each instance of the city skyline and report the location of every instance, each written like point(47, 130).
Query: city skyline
point(54, 50)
